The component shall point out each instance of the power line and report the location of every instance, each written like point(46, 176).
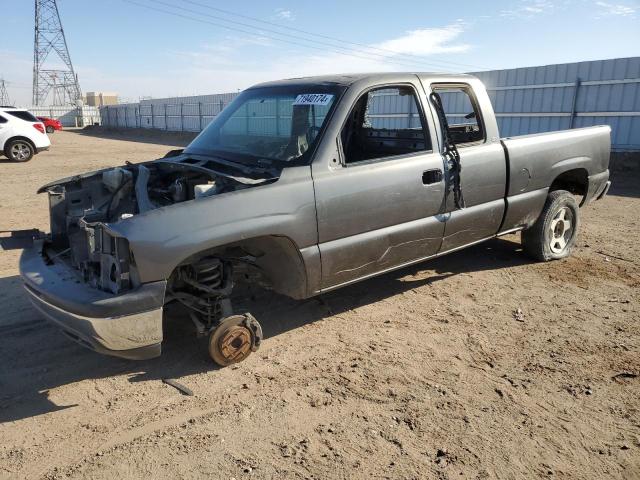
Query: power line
point(339, 50)
point(339, 40)
point(346, 52)
point(389, 54)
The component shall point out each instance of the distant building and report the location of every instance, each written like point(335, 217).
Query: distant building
point(100, 99)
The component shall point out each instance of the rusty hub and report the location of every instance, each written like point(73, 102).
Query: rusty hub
point(234, 339)
point(235, 344)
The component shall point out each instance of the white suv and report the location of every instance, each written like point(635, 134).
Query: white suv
point(21, 134)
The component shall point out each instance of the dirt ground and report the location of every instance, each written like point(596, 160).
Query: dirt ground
point(422, 373)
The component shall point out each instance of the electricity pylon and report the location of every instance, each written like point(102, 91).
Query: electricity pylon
point(49, 37)
point(4, 95)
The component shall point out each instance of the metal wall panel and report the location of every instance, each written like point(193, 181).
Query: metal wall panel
point(526, 100)
point(541, 99)
point(68, 116)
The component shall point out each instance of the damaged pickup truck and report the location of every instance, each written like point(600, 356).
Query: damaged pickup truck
point(302, 186)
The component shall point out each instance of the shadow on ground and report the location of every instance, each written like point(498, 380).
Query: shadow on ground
point(625, 183)
point(36, 357)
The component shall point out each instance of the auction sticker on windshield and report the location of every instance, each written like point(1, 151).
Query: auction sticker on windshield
point(313, 99)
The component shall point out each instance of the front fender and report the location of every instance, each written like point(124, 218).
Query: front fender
point(161, 239)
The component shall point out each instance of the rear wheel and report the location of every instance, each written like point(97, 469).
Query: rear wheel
point(554, 234)
point(19, 150)
point(50, 129)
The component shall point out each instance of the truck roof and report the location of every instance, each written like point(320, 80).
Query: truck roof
point(350, 78)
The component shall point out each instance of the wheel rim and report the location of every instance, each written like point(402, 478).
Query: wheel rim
point(235, 344)
point(20, 151)
point(561, 228)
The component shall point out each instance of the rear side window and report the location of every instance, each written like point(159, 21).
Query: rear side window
point(3, 120)
point(383, 123)
point(462, 112)
point(23, 115)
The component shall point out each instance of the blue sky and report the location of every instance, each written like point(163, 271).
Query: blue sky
point(120, 46)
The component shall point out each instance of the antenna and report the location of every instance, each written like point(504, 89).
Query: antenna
point(4, 95)
point(49, 37)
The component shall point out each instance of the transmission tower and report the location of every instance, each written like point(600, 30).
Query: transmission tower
point(4, 95)
point(49, 37)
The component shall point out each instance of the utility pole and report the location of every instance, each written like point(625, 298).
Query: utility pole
point(4, 95)
point(49, 38)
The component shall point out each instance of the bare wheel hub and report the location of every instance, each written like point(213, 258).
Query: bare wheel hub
point(235, 344)
point(561, 230)
point(234, 339)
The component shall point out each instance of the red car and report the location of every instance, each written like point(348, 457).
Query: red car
point(51, 124)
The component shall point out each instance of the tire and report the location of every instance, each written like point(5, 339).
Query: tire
point(50, 129)
point(554, 234)
point(19, 150)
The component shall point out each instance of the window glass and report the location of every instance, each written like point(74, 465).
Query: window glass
point(263, 124)
point(3, 120)
point(23, 115)
point(384, 123)
point(463, 115)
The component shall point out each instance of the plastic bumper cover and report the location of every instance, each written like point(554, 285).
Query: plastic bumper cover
point(128, 325)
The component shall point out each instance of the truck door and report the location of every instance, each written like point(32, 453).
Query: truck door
point(377, 203)
point(483, 165)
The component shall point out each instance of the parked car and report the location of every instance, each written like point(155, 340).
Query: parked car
point(21, 134)
point(50, 124)
point(302, 186)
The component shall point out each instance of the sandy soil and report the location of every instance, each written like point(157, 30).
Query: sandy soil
point(422, 373)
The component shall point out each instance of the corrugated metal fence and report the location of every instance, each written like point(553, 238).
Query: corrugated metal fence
point(570, 95)
point(181, 114)
point(526, 100)
point(69, 116)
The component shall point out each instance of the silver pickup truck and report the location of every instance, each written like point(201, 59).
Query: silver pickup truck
point(302, 186)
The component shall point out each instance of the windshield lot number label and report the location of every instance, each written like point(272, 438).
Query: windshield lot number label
point(313, 99)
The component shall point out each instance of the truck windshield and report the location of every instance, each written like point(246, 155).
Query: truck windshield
point(278, 124)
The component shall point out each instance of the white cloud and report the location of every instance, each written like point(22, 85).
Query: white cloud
point(223, 67)
point(284, 14)
point(616, 9)
point(528, 9)
point(427, 41)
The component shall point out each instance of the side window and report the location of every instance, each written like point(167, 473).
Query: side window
point(384, 122)
point(23, 115)
point(3, 120)
point(463, 114)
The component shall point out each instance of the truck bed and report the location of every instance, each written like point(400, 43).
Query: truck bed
point(576, 160)
point(535, 161)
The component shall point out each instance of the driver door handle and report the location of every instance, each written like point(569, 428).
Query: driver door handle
point(432, 176)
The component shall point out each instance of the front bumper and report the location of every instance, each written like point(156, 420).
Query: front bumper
point(127, 325)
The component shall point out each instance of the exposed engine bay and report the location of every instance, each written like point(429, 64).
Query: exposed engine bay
point(82, 209)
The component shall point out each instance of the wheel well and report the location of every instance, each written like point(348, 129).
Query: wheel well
point(575, 181)
point(28, 140)
point(276, 259)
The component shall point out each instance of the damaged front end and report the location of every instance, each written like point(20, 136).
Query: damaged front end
point(83, 275)
point(85, 212)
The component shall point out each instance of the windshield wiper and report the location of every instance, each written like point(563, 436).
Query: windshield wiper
point(246, 169)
